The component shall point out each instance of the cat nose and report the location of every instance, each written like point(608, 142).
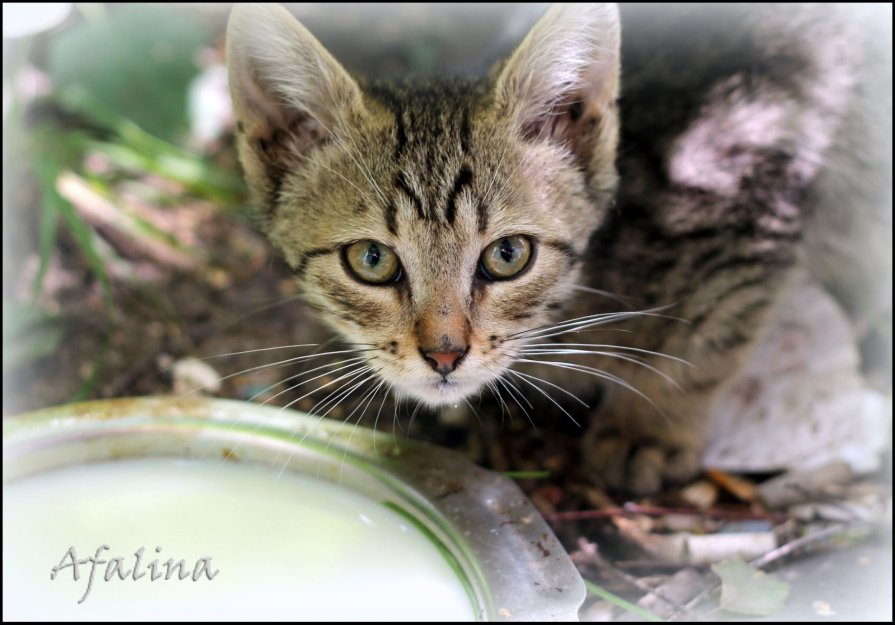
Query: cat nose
point(444, 362)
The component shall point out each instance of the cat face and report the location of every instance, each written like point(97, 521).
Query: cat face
point(430, 225)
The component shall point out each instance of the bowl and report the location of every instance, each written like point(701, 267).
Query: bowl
point(158, 508)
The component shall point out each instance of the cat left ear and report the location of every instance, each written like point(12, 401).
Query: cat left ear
point(289, 94)
point(562, 81)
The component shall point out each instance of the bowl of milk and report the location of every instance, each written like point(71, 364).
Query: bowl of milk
point(208, 509)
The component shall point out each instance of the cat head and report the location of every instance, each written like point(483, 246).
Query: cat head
point(434, 223)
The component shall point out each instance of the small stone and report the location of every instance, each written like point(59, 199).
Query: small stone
point(192, 374)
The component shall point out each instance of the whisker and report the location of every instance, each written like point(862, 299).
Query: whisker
point(368, 397)
point(278, 302)
point(596, 373)
point(395, 422)
point(544, 393)
point(589, 320)
point(333, 398)
point(512, 390)
point(621, 299)
point(557, 387)
point(337, 138)
point(342, 395)
point(258, 425)
point(350, 361)
point(579, 326)
point(260, 349)
point(504, 409)
point(549, 327)
point(551, 112)
point(474, 411)
point(419, 404)
point(348, 377)
point(637, 361)
point(388, 389)
point(371, 395)
point(278, 364)
point(606, 346)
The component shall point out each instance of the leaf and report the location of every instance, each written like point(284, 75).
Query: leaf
point(136, 59)
point(48, 174)
point(747, 590)
point(130, 147)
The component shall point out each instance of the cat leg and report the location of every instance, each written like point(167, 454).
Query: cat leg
point(637, 445)
point(652, 426)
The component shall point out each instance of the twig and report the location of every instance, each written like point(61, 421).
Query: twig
point(580, 515)
point(804, 541)
point(590, 551)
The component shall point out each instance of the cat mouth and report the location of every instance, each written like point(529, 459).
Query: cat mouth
point(443, 391)
point(446, 386)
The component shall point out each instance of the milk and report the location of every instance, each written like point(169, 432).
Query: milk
point(255, 544)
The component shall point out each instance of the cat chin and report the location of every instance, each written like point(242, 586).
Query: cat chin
point(441, 393)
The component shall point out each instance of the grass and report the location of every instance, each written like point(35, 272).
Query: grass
point(55, 137)
point(615, 600)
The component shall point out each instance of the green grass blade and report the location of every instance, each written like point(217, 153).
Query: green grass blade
point(618, 601)
point(48, 222)
point(83, 234)
point(526, 475)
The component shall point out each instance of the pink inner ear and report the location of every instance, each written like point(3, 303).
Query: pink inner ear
point(280, 146)
point(573, 123)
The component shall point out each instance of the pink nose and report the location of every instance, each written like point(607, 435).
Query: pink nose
point(444, 362)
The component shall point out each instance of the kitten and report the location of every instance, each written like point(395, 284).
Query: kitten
point(471, 234)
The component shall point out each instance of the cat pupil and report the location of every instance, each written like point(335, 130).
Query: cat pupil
point(507, 252)
point(372, 256)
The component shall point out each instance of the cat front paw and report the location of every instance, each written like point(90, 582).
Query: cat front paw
point(639, 463)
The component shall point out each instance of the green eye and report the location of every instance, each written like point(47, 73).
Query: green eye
point(372, 262)
point(506, 258)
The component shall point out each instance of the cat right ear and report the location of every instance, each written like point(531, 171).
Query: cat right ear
point(289, 94)
point(562, 81)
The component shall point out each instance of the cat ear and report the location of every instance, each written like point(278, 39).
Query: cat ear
point(562, 81)
point(289, 94)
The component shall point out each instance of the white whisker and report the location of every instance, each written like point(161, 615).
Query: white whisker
point(512, 390)
point(557, 387)
point(607, 346)
point(279, 363)
point(388, 389)
point(596, 373)
point(350, 375)
point(545, 394)
point(350, 361)
point(504, 409)
point(573, 352)
point(419, 404)
point(336, 396)
point(369, 396)
point(621, 299)
point(571, 325)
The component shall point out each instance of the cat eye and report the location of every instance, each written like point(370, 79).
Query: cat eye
point(506, 257)
point(372, 262)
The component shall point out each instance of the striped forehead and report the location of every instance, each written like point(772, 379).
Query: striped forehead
point(434, 165)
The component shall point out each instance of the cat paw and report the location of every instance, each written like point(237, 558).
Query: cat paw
point(639, 465)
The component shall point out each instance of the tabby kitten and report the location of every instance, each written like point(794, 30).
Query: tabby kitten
point(462, 232)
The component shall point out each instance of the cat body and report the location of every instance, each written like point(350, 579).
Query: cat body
point(466, 236)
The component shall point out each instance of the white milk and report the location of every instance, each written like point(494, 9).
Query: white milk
point(284, 547)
